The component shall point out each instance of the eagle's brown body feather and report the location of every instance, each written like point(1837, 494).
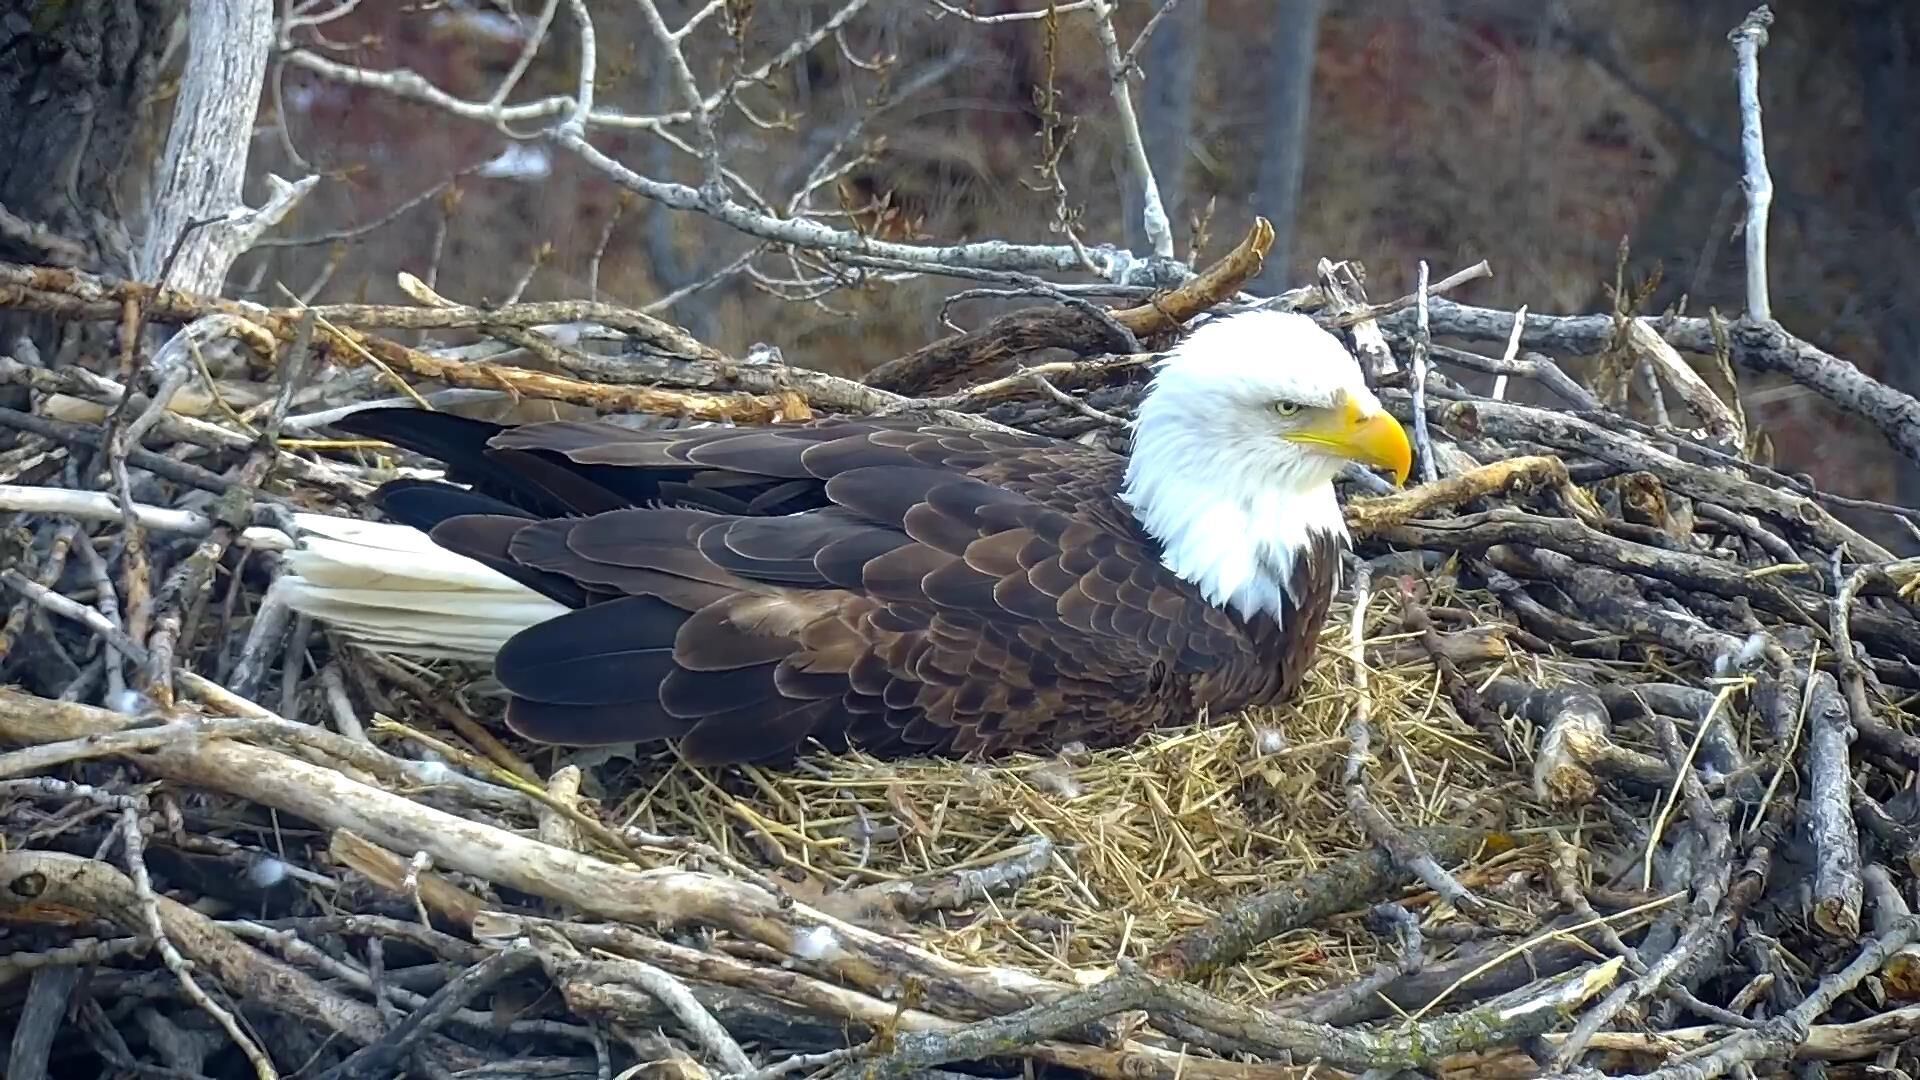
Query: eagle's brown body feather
point(899, 588)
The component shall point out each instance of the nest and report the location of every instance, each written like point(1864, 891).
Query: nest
point(1059, 866)
point(1604, 762)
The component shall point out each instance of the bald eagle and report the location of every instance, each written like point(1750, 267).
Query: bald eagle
point(895, 586)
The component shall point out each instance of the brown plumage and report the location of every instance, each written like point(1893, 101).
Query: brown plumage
point(882, 584)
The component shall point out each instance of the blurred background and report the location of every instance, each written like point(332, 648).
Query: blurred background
point(1539, 135)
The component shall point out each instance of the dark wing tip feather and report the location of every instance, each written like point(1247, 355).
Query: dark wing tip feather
point(487, 538)
point(603, 654)
point(591, 725)
point(456, 440)
point(424, 504)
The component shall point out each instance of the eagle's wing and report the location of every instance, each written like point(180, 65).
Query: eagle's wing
point(900, 588)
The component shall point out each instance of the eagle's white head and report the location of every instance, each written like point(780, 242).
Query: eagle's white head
point(1236, 446)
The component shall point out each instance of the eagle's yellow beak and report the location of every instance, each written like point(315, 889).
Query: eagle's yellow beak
point(1376, 440)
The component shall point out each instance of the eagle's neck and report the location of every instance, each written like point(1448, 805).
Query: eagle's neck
point(1235, 513)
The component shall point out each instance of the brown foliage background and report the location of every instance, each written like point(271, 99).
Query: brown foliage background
point(1537, 136)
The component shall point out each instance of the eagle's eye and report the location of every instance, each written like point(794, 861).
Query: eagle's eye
point(1286, 408)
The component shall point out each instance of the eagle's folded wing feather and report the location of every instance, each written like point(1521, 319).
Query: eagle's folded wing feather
point(900, 588)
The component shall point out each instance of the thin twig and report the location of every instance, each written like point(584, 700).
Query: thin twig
point(1146, 32)
point(134, 843)
point(713, 189)
point(1423, 340)
point(78, 612)
point(380, 1059)
point(1512, 353)
point(1404, 849)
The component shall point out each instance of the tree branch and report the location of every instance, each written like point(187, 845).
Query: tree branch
point(1748, 39)
point(1153, 211)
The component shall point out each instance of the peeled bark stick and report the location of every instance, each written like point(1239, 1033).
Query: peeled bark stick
point(1829, 814)
point(1748, 39)
point(556, 828)
point(1368, 516)
point(1344, 303)
point(391, 872)
point(951, 890)
point(351, 348)
point(1212, 286)
point(767, 1020)
point(1901, 975)
point(705, 966)
point(1646, 343)
point(1575, 742)
point(45, 878)
point(864, 958)
point(551, 945)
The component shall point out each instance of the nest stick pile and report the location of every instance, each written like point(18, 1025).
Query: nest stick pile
point(1605, 762)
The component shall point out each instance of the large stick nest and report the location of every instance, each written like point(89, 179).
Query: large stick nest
point(1604, 762)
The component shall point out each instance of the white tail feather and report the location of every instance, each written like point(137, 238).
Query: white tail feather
point(391, 588)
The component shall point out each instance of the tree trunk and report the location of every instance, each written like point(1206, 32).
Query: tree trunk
point(77, 83)
point(1170, 59)
point(207, 143)
point(1295, 41)
point(1886, 42)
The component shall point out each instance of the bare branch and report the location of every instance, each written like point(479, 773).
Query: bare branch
point(589, 55)
point(1013, 16)
point(1146, 32)
point(155, 927)
point(1510, 356)
point(1422, 342)
point(713, 189)
point(1114, 264)
point(1748, 39)
point(531, 48)
point(1159, 232)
